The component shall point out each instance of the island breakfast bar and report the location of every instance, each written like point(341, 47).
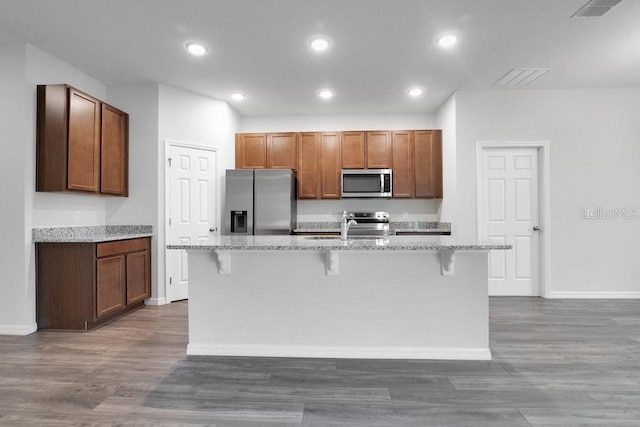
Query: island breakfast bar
point(398, 297)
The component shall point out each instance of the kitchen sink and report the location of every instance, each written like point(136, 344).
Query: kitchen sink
point(349, 238)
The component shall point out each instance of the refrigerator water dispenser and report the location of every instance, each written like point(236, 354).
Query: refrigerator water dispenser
point(239, 222)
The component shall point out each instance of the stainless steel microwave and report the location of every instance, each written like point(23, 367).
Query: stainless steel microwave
point(365, 183)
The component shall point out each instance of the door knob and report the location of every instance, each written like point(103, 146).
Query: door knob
point(536, 228)
point(213, 229)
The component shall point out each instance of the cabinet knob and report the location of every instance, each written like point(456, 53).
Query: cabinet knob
point(213, 229)
point(536, 228)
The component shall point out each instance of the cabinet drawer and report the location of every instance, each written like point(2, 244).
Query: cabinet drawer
point(122, 247)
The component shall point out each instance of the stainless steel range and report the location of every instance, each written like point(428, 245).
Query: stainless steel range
point(369, 223)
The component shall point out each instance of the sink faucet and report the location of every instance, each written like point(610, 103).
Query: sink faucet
point(344, 227)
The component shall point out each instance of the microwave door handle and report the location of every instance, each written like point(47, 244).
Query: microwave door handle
point(382, 183)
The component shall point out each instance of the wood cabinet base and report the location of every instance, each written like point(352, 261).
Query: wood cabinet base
point(83, 285)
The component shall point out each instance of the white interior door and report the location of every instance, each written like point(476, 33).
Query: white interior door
point(192, 209)
point(510, 214)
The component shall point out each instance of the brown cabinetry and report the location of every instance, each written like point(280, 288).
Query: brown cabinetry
point(281, 151)
point(319, 165)
point(82, 143)
point(427, 155)
point(417, 164)
point(378, 150)
point(402, 164)
point(80, 285)
point(353, 150)
point(114, 151)
point(266, 150)
point(308, 160)
point(329, 167)
point(415, 157)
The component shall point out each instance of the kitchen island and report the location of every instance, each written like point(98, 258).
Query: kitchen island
point(410, 297)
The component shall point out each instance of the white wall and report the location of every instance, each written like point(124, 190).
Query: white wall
point(331, 210)
point(195, 119)
point(312, 123)
point(16, 313)
point(24, 66)
point(593, 136)
point(446, 120)
point(57, 209)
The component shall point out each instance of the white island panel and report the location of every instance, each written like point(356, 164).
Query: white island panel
point(382, 304)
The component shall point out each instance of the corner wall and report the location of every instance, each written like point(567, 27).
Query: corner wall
point(191, 118)
point(17, 314)
point(593, 136)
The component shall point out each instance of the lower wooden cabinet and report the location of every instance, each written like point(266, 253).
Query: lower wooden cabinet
point(81, 285)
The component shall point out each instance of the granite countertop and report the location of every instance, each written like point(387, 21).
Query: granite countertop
point(313, 243)
point(396, 226)
point(90, 234)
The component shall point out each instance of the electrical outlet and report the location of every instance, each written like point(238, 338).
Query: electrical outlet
point(405, 215)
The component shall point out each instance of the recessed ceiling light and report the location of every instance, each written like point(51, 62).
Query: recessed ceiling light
point(320, 43)
point(238, 96)
point(325, 93)
point(197, 49)
point(415, 91)
point(447, 40)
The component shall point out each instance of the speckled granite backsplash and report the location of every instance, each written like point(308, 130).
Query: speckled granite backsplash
point(394, 225)
point(52, 234)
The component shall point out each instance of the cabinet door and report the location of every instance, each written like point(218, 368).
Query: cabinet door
point(428, 164)
point(353, 146)
point(308, 157)
point(110, 284)
point(84, 142)
point(251, 150)
point(281, 151)
point(114, 151)
point(378, 150)
point(329, 165)
point(138, 276)
point(402, 166)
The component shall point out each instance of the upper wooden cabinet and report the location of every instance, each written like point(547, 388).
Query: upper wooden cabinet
point(378, 150)
point(415, 157)
point(251, 150)
point(366, 150)
point(353, 150)
point(402, 164)
point(329, 167)
point(308, 160)
point(319, 165)
point(82, 143)
point(114, 151)
point(266, 150)
point(427, 154)
point(281, 151)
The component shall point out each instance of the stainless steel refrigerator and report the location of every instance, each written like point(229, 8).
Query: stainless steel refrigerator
point(260, 201)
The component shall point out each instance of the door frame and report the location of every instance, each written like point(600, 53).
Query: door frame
point(168, 143)
point(544, 201)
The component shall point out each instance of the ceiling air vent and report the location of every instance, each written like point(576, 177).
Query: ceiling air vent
point(595, 8)
point(521, 76)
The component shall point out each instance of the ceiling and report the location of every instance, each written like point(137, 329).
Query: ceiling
point(379, 48)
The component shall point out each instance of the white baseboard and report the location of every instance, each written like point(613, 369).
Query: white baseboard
point(594, 295)
point(340, 352)
point(155, 301)
point(18, 329)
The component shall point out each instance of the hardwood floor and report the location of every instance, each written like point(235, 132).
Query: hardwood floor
point(555, 362)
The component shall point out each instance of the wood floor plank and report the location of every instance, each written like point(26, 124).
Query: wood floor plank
point(555, 362)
